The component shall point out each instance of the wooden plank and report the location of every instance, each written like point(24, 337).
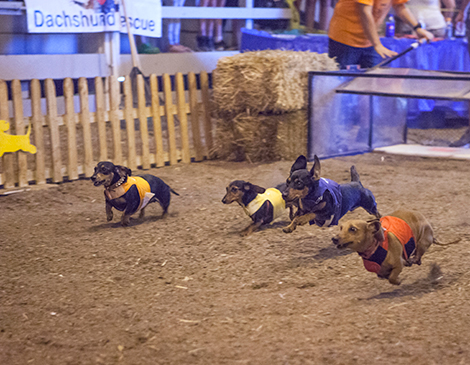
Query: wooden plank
point(130, 126)
point(114, 101)
point(69, 119)
point(157, 122)
point(22, 158)
point(52, 122)
point(85, 121)
point(169, 118)
point(207, 112)
point(194, 110)
point(8, 166)
point(100, 119)
point(143, 122)
point(181, 104)
point(37, 120)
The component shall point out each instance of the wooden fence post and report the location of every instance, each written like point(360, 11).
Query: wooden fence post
point(52, 121)
point(169, 119)
point(130, 126)
point(19, 129)
point(37, 121)
point(181, 103)
point(157, 122)
point(85, 121)
point(194, 107)
point(114, 96)
point(143, 122)
point(207, 112)
point(8, 167)
point(69, 119)
point(100, 119)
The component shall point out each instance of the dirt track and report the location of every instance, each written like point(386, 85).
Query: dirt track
point(188, 289)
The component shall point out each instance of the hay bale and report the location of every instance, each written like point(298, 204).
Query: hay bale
point(262, 138)
point(271, 81)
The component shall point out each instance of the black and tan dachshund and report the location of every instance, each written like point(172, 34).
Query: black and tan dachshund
point(130, 194)
point(260, 204)
point(322, 201)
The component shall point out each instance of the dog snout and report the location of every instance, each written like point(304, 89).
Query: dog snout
point(335, 240)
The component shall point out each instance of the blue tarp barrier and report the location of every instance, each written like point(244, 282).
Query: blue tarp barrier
point(442, 55)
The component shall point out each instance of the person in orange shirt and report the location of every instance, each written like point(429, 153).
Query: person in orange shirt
point(353, 35)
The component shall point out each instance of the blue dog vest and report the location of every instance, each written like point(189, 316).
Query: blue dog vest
point(315, 197)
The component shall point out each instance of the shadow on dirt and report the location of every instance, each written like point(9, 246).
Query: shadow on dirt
point(133, 222)
point(308, 256)
point(435, 280)
point(330, 252)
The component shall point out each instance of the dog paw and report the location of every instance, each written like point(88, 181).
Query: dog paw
point(109, 217)
point(287, 230)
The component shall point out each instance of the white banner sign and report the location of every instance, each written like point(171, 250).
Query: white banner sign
point(90, 16)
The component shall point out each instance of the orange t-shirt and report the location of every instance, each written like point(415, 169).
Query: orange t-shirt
point(346, 26)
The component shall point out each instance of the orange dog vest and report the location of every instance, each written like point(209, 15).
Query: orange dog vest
point(404, 234)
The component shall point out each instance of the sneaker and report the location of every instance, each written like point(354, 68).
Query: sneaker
point(219, 46)
point(203, 43)
point(178, 48)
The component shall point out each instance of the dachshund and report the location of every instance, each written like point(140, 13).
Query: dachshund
point(260, 204)
point(130, 194)
point(323, 201)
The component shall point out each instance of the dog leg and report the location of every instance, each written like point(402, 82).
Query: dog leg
point(251, 228)
point(125, 219)
point(393, 277)
point(142, 213)
point(422, 245)
point(299, 221)
point(109, 212)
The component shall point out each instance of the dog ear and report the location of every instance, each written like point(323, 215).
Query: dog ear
point(255, 188)
point(315, 172)
point(258, 189)
point(299, 164)
point(375, 227)
point(123, 170)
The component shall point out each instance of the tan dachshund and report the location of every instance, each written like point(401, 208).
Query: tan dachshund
point(386, 245)
point(13, 143)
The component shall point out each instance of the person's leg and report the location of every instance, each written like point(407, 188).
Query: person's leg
point(325, 14)
point(345, 55)
point(219, 30)
point(310, 13)
point(203, 37)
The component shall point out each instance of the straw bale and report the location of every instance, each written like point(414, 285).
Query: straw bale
point(271, 81)
point(262, 138)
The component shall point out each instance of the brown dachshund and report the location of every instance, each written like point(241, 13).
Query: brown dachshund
point(387, 245)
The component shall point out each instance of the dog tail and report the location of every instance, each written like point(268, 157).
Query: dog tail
point(355, 175)
point(174, 192)
point(436, 242)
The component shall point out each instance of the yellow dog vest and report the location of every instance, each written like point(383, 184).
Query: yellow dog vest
point(143, 188)
point(271, 194)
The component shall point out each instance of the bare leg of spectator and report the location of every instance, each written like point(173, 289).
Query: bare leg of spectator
point(174, 31)
point(205, 40)
point(326, 11)
point(219, 44)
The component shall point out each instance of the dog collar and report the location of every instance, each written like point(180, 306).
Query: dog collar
point(370, 251)
point(116, 184)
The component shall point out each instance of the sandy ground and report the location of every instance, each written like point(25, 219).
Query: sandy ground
point(188, 289)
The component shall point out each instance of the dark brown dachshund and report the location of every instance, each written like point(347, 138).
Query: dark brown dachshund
point(260, 204)
point(130, 194)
